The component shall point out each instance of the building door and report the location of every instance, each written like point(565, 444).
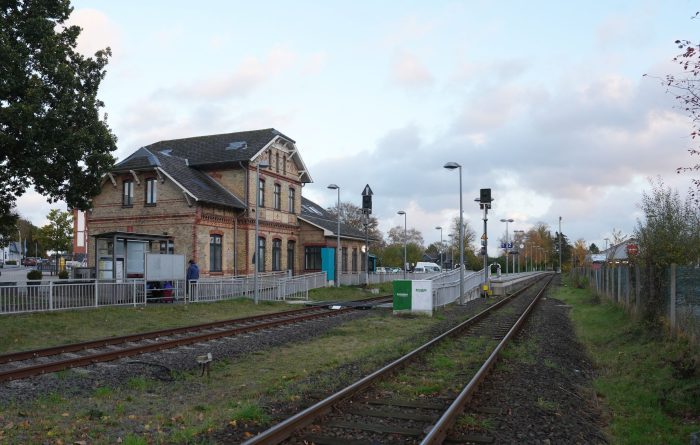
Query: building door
point(328, 262)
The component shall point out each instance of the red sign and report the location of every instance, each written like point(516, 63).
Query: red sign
point(632, 249)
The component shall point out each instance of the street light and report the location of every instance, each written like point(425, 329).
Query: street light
point(442, 265)
point(452, 256)
point(452, 166)
point(401, 212)
point(507, 221)
point(518, 238)
point(256, 255)
point(337, 257)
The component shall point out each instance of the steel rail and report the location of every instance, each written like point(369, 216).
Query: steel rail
point(284, 429)
point(438, 432)
point(60, 365)
point(103, 342)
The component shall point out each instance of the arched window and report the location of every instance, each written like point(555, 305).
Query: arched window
point(128, 194)
point(277, 201)
point(354, 259)
point(260, 257)
point(276, 254)
point(291, 247)
point(292, 200)
point(284, 165)
point(344, 261)
point(261, 193)
point(277, 162)
point(215, 253)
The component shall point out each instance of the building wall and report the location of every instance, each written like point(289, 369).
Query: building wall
point(192, 226)
point(170, 216)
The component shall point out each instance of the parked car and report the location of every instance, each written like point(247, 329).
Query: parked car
point(395, 270)
point(29, 261)
point(381, 269)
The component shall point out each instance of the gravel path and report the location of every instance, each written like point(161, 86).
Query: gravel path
point(546, 398)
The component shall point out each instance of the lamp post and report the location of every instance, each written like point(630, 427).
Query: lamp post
point(507, 221)
point(452, 256)
point(560, 236)
point(442, 265)
point(401, 212)
point(337, 246)
point(256, 255)
point(452, 166)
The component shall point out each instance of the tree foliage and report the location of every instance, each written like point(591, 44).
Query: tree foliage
point(669, 234)
point(58, 233)
point(51, 132)
point(397, 235)
point(352, 215)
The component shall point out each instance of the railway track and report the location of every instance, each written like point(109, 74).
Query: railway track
point(24, 364)
point(418, 397)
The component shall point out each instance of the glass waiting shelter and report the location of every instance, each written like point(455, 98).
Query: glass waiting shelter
point(121, 255)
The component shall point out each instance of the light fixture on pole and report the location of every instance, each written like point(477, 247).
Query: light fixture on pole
point(256, 254)
point(337, 246)
point(401, 212)
point(507, 221)
point(452, 166)
point(442, 265)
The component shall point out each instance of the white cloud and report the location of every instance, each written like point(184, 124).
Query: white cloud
point(98, 32)
point(409, 72)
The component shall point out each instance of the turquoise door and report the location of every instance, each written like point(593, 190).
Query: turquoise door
point(328, 262)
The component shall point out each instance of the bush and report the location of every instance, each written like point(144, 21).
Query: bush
point(63, 275)
point(34, 274)
point(11, 262)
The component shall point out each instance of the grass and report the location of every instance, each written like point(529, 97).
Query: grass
point(32, 331)
point(648, 402)
point(185, 410)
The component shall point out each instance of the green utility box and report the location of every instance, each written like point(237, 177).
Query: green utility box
point(402, 295)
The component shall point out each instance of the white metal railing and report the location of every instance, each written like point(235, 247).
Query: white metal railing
point(446, 288)
point(270, 287)
point(39, 296)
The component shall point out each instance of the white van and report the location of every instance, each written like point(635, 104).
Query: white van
point(425, 267)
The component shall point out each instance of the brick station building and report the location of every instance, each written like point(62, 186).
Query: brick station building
point(196, 197)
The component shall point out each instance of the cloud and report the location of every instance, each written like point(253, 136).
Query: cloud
point(409, 72)
point(314, 64)
point(408, 29)
point(98, 32)
point(249, 75)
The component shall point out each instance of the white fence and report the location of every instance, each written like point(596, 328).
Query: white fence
point(270, 287)
point(446, 286)
point(41, 296)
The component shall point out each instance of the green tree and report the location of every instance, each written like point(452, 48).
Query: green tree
point(51, 132)
point(58, 233)
point(669, 234)
point(593, 248)
point(352, 215)
point(397, 235)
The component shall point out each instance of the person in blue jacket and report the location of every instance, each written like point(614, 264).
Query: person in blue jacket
point(192, 273)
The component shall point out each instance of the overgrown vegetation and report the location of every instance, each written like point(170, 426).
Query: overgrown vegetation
point(669, 234)
point(649, 382)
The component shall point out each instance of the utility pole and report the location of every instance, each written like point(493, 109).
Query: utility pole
point(560, 268)
point(484, 201)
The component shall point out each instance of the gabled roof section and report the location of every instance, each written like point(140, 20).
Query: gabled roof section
point(316, 215)
point(219, 150)
point(193, 182)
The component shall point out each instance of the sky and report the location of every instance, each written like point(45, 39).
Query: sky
point(544, 102)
